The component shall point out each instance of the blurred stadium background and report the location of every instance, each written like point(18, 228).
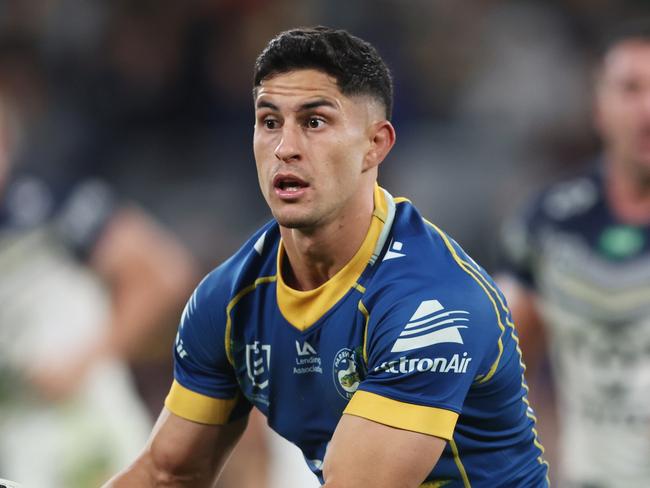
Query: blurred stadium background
point(492, 101)
point(155, 95)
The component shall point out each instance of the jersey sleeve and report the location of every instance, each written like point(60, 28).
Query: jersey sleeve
point(423, 353)
point(205, 389)
point(84, 213)
point(516, 255)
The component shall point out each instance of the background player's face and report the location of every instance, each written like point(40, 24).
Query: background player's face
point(623, 105)
point(311, 144)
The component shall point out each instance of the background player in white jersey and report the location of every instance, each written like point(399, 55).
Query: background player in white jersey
point(86, 282)
point(580, 256)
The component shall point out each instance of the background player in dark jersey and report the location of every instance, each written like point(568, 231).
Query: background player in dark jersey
point(580, 259)
point(363, 332)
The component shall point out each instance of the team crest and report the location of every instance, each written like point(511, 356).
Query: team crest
point(347, 370)
point(258, 360)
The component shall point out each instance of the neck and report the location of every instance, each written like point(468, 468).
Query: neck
point(628, 192)
point(315, 256)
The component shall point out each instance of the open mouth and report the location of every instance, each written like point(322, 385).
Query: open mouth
point(289, 184)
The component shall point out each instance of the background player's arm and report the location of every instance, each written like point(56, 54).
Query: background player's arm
point(367, 453)
point(522, 303)
point(149, 275)
point(181, 453)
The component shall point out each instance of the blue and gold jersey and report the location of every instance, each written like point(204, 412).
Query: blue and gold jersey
point(411, 333)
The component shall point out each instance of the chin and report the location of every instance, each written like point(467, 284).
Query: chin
point(286, 219)
point(295, 223)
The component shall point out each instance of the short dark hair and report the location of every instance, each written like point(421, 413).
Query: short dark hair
point(633, 30)
point(355, 63)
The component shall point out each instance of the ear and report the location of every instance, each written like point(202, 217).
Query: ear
point(382, 139)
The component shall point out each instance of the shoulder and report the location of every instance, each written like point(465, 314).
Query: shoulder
point(27, 201)
point(564, 200)
point(568, 203)
point(76, 211)
point(569, 198)
point(206, 309)
point(423, 268)
point(255, 259)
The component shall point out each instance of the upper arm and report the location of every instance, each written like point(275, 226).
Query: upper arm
point(367, 453)
point(424, 352)
point(182, 453)
point(522, 303)
point(519, 254)
point(134, 246)
point(205, 387)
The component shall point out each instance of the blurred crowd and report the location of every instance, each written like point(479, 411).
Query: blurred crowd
point(154, 96)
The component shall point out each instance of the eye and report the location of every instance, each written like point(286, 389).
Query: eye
point(270, 123)
point(315, 122)
point(631, 87)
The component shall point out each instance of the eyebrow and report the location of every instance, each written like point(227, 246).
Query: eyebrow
point(305, 106)
point(317, 103)
point(265, 104)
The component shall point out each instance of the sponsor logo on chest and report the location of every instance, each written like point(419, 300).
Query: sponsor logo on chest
point(307, 359)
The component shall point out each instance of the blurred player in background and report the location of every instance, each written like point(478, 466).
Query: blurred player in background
point(86, 282)
point(579, 261)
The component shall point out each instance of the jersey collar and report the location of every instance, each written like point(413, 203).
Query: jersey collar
point(304, 308)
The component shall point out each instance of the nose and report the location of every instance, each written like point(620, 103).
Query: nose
point(288, 149)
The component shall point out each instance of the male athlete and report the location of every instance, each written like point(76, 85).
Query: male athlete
point(581, 258)
point(364, 333)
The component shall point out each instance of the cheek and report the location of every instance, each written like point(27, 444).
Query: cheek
point(261, 163)
point(616, 119)
point(346, 169)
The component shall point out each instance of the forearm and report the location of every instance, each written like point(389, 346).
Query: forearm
point(181, 453)
point(146, 473)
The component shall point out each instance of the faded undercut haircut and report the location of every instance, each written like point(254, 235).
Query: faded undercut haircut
point(353, 62)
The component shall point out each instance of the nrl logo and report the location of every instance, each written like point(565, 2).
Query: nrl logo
point(258, 359)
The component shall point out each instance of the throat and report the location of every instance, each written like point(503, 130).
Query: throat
point(307, 271)
point(630, 199)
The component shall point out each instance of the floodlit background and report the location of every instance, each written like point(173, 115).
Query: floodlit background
point(155, 95)
point(491, 102)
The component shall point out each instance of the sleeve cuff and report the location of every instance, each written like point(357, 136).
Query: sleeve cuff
point(417, 418)
point(197, 407)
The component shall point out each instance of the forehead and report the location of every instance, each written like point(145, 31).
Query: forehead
point(304, 83)
point(628, 59)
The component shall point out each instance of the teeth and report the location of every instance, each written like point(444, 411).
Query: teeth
point(290, 186)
